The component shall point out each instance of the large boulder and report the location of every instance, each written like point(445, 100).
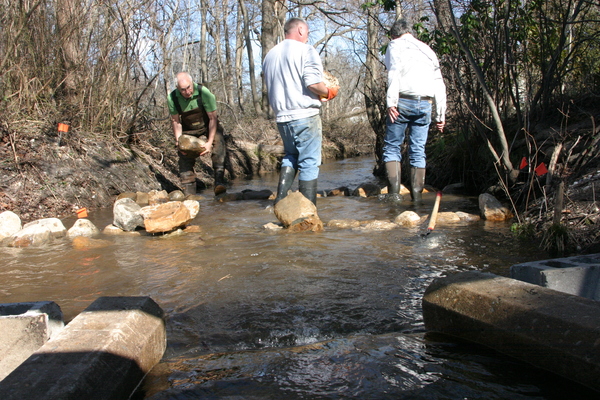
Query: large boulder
point(298, 214)
point(491, 209)
point(408, 218)
point(83, 227)
point(126, 215)
point(54, 224)
point(10, 223)
point(161, 218)
point(33, 235)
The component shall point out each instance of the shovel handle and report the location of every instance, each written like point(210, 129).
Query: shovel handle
point(434, 213)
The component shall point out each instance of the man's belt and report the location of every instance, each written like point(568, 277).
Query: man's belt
point(412, 97)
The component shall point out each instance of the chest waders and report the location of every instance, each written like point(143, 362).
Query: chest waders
point(195, 123)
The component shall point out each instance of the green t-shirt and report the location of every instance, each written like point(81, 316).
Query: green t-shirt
point(208, 101)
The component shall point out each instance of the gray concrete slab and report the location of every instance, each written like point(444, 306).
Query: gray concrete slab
point(552, 330)
point(103, 353)
point(24, 328)
point(578, 275)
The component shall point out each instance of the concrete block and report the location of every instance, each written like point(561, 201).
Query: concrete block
point(578, 275)
point(552, 330)
point(24, 328)
point(103, 353)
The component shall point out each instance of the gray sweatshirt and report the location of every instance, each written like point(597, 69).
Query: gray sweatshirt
point(288, 69)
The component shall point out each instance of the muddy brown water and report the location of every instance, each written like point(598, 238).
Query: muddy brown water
point(252, 296)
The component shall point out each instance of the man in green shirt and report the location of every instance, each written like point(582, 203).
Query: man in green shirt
point(193, 110)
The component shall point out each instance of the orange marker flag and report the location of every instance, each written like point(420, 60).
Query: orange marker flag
point(523, 163)
point(63, 127)
point(541, 169)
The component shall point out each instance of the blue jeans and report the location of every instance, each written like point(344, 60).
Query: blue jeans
point(415, 114)
point(302, 140)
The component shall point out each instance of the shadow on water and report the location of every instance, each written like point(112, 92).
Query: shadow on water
point(264, 314)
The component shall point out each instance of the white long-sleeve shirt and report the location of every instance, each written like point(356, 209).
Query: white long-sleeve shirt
point(414, 69)
point(288, 69)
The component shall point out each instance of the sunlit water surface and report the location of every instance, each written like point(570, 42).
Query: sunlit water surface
point(236, 287)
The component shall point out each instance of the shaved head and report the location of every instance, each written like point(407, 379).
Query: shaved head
point(185, 84)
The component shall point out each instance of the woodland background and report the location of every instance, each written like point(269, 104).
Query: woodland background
point(523, 83)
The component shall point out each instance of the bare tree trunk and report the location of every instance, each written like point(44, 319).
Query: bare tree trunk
point(229, 70)
point(251, 72)
point(239, 54)
point(273, 18)
point(69, 16)
point(203, 32)
point(215, 32)
point(375, 87)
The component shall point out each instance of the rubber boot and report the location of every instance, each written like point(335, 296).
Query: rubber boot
point(417, 182)
point(220, 181)
point(189, 188)
point(309, 190)
point(286, 178)
point(393, 169)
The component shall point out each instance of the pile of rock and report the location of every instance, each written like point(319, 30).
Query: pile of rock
point(134, 213)
point(297, 214)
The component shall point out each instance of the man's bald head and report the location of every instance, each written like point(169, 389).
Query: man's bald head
point(185, 84)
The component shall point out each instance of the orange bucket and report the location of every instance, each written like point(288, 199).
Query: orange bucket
point(82, 213)
point(63, 127)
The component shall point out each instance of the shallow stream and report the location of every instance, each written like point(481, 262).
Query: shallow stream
point(329, 315)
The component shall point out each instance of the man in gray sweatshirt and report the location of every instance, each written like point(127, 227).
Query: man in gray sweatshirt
point(293, 75)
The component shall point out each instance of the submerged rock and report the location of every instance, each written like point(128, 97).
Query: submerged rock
point(377, 226)
point(84, 243)
point(367, 190)
point(343, 223)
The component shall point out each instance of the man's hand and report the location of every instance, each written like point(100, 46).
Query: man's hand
point(440, 126)
point(208, 148)
point(392, 113)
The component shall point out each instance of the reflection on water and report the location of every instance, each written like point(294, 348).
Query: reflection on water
point(236, 287)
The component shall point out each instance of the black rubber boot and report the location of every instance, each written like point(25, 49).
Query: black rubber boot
point(417, 182)
point(393, 174)
point(220, 181)
point(286, 178)
point(393, 169)
point(309, 190)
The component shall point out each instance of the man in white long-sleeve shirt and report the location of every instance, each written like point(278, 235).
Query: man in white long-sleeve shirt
point(293, 75)
point(416, 93)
